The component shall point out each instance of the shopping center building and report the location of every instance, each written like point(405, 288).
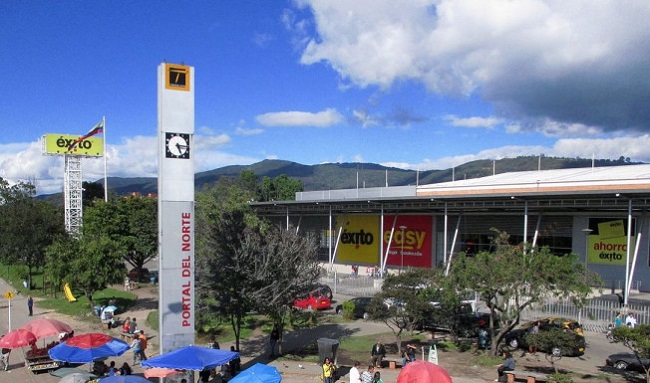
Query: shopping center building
point(600, 213)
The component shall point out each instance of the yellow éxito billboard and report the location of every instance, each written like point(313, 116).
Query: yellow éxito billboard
point(59, 144)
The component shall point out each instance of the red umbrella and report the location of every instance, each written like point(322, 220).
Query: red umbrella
point(90, 340)
point(17, 338)
point(160, 372)
point(422, 371)
point(44, 327)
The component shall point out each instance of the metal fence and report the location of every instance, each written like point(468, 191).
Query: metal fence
point(352, 285)
point(595, 316)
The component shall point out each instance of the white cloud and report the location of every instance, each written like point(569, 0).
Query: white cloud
point(248, 132)
point(473, 122)
point(326, 118)
point(132, 157)
point(575, 62)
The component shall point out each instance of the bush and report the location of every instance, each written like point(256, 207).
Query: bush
point(348, 309)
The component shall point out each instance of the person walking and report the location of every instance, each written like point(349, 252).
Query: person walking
point(143, 345)
point(328, 371)
point(136, 346)
point(275, 336)
point(630, 320)
point(4, 358)
point(30, 305)
point(213, 343)
point(618, 321)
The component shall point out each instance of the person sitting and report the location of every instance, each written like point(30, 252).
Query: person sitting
point(508, 364)
point(235, 364)
point(204, 375)
point(377, 354)
point(112, 370)
point(125, 369)
point(409, 354)
point(133, 326)
point(99, 368)
point(107, 318)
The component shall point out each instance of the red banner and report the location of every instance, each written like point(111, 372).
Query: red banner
point(412, 240)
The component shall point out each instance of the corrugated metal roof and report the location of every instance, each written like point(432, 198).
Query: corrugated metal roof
point(610, 178)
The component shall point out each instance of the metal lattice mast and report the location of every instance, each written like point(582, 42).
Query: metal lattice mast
point(72, 189)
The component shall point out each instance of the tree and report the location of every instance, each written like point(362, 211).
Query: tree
point(637, 339)
point(242, 264)
point(512, 277)
point(403, 302)
point(131, 222)
point(555, 340)
point(289, 266)
point(91, 191)
point(90, 263)
point(27, 226)
point(280, 188)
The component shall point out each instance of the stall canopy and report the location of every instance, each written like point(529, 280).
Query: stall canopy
point(258, 373)
point(423, 371)
point(192, 358)
point(87, 347)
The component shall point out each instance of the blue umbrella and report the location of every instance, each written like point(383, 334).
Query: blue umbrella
point(88, 347)
point(110, 308)
point(258, 373)
point(124, 379)
point(192, 358)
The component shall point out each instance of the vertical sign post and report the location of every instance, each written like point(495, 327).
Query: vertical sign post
point(176, 205)
point(9, 295)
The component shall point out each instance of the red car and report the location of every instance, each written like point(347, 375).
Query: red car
point(314, 301)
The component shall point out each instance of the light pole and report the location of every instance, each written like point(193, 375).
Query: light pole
point(402, 228)
point(587, 231)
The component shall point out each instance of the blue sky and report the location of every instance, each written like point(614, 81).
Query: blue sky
point(414, 84)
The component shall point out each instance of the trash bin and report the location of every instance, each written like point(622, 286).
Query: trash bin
point(327, 348)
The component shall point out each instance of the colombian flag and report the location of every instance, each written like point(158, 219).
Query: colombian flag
point(99, 128)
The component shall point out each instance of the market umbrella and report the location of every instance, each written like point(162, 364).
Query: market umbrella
point(422, 371)
point(110, 308)
point(44, 327)
point(75, 378)
point(258, 373)
point(65, 371)
point(87, 347)
point(17, 338)
point(192, 358)
point(124, 379)
point(160, 372)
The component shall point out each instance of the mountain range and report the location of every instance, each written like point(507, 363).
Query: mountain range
point(363, 175)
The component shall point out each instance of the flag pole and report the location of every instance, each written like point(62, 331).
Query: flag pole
point(105, 163)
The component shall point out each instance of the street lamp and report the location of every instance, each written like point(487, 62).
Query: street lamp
point(402, 228)
point(587, 231)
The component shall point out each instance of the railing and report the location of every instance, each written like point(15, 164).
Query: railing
point(352, 285)
point(595, 316)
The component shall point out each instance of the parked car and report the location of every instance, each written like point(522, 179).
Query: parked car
point(139, 275)
point(314, 300)
point(465, 322)
point(325, 290)
point(360, 307)
point(627, 361)
point(517, 337)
